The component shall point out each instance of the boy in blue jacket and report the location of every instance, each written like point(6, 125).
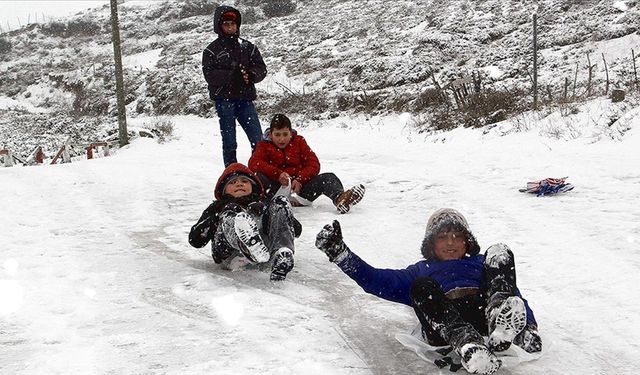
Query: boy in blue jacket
point(458, 294)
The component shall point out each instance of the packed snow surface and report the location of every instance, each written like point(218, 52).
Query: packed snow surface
point(97, 277)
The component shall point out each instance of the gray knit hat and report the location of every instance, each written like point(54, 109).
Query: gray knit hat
point(447, 219)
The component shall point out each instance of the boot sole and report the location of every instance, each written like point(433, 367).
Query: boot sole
point(478, 359)
point(282, 264)
point(357, 193)
point(510, 321)
point(251, 244)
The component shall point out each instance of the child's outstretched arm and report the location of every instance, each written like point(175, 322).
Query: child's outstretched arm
point(202, 231)
point(390, 284)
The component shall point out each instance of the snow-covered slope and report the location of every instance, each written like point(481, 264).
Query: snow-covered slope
point(97, 276)
point(328, 58)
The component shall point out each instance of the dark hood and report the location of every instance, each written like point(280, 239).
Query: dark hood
point(218, 15)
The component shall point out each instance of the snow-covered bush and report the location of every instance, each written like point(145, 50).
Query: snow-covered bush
point(54, 28)
point(315, 102)
point(5, 46)
point(278, 8)
point(82, 27)
point(192, 8)
point(161, 128)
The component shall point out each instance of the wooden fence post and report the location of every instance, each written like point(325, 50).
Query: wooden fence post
point(66, 156)
point(635, 71)
point(606, 71)
point(590, 68)
point(535, 61)
point(7, 158)
point(575, 79)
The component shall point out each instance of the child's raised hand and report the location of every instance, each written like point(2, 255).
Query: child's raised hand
point(329, 240)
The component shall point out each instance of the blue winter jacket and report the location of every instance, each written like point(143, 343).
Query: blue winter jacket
point(395, 285)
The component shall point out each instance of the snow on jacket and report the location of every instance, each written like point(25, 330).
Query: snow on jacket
point(221, 62)
point(395, 284)
point(297, 159)
point(203, 230)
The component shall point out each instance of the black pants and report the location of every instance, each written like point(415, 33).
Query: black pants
point(444, 321)
point(464, 320)
point(277, 225)
point(327, 184)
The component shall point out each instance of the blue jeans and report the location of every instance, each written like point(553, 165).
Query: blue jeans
point(245, 112)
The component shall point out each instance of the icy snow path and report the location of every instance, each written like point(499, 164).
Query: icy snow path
point(97, 276)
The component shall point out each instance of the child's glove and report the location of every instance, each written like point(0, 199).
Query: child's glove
point(529, 340)
point(330, 241)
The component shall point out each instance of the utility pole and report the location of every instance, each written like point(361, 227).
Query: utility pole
point(535, 61)
point(117, 56)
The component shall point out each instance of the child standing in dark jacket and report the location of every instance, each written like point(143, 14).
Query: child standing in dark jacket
point(232, 66)
point(458, 294)
point(284, 158)
point(243, 228)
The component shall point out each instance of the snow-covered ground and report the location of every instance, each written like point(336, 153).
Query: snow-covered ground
point(97, 276)
point(19, 13)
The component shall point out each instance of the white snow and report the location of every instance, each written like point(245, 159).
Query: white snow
point(9, 103)
point(279, 82)
point(97, 276)
point(19, 13)
point(147, 59)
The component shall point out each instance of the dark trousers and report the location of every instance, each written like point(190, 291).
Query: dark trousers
point(327, 184)
point(448, 322)
point(464, 320)
point(278, 228)
point(278, 225)
point(245, 112)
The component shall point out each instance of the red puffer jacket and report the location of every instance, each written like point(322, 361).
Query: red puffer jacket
point(297, 159)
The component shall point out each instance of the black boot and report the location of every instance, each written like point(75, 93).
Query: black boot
point(220, 248)
point(506, 314)
point(442, 321)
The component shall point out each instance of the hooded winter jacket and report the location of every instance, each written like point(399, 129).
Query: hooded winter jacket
point(223, 59)
point(452, 275)
point(395, 284)
point(205, 227)
point(297, 159)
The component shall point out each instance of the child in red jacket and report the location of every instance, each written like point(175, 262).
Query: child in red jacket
point(283, 157)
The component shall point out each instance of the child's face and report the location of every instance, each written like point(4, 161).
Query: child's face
point(450, 245)
point(238, 187)
point(281, 137)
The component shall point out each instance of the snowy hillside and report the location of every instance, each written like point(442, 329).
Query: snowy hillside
point(97, 276)
point(326, 59)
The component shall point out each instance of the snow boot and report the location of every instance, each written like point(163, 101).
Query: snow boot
point(251, 244)
point(349, 198)
point(282, 264)
point(529, 340)
point(478, 359)
point(220, 248)
point(506, 313)
point(506, 322)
